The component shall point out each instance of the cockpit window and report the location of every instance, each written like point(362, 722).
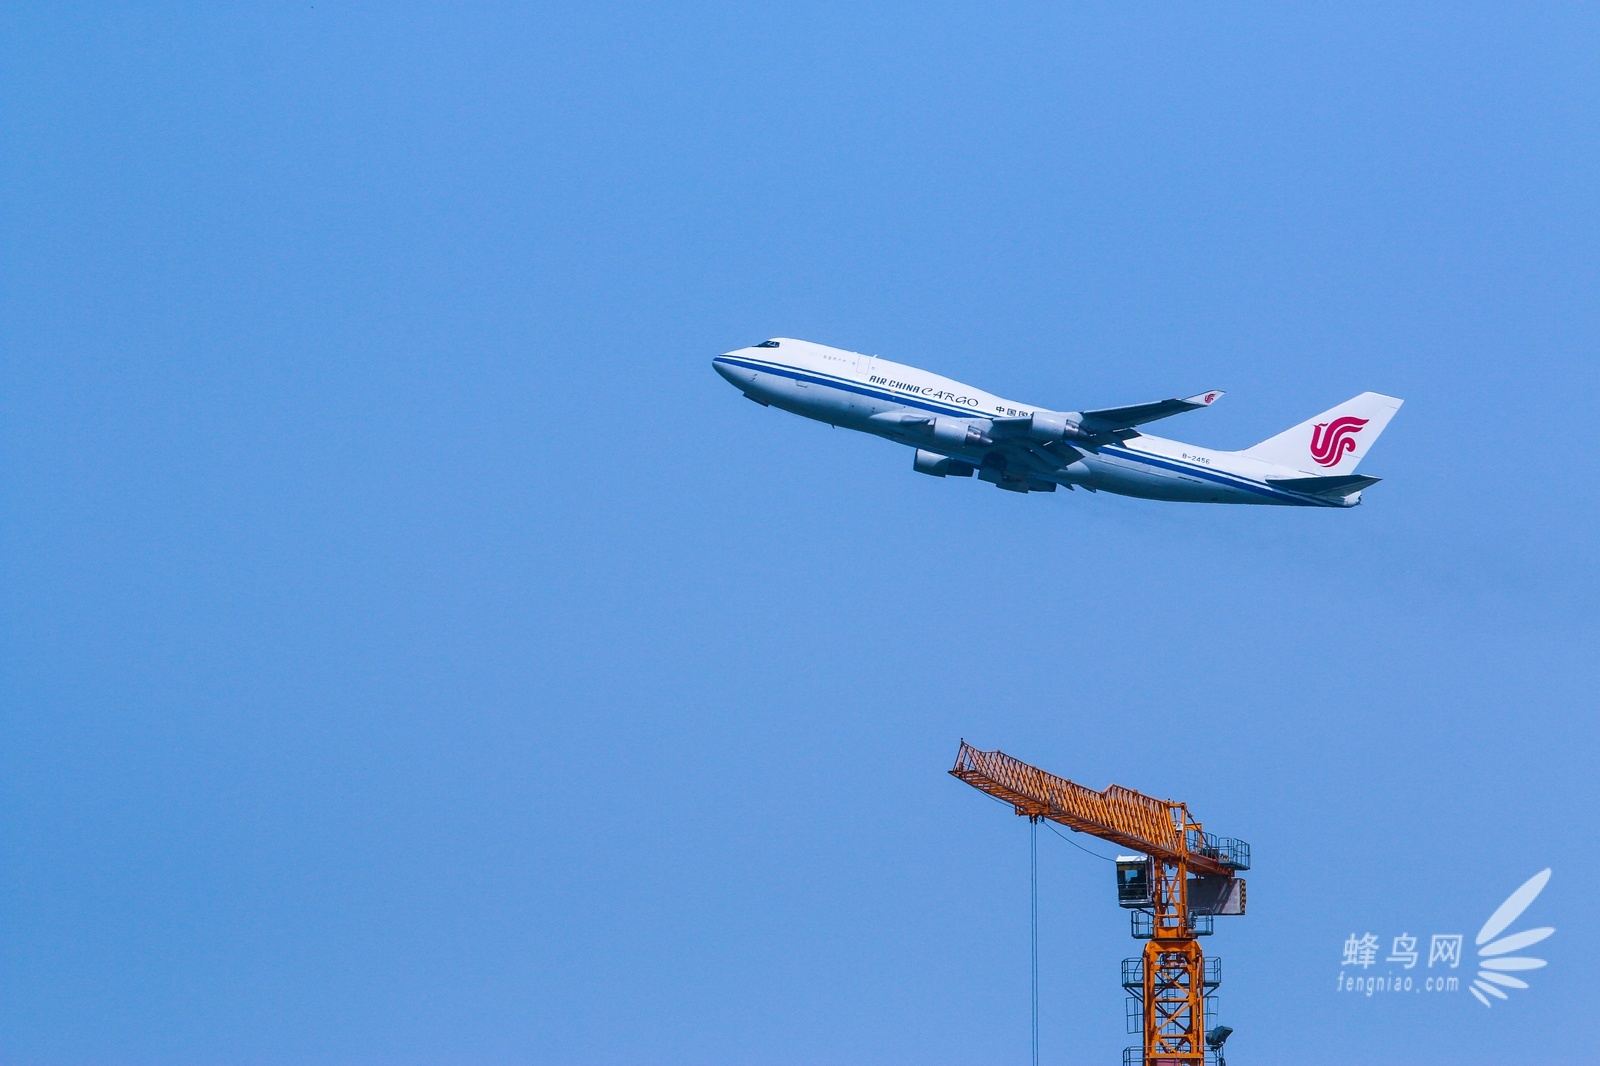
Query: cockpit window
point(767, 344)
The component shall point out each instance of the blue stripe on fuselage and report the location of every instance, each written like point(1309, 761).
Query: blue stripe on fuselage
point(1117, 450)
point(1236, 481)
point(853, 386)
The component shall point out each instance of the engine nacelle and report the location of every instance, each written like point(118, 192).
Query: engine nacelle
point(957, 433)
point(1052, 426)
point(926, 462)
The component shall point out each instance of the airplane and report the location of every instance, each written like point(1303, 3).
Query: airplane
point(958, 431)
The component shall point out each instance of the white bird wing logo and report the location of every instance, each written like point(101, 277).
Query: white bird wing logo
point(1494, 959)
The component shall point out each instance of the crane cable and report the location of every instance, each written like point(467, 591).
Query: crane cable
point(1056, 831)
point(1079, 846)
point(1033, 900)
point(1033, 886)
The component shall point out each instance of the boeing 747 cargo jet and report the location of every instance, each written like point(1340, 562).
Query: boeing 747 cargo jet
point(959, 431)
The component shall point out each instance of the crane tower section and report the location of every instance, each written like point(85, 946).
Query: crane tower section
point(1181, 879)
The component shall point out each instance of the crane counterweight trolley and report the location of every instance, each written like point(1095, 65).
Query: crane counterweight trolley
point(1180, 879)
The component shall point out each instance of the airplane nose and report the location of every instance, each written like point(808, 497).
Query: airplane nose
point(730, 373)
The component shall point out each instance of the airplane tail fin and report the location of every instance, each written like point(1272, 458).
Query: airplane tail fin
point(1332, 442)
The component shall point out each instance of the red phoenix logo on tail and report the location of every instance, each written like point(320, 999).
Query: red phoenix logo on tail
point(1330, 440)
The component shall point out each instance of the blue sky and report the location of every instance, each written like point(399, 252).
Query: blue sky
point(414, 653)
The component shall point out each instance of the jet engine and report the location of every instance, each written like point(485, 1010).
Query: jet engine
point(956, 433)
point(1053, 426)
point(926, 462)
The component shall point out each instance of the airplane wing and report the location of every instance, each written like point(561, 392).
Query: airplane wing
point(1108, 424)
point(1113, 418)
point(1038, 458)
point(1045, 462)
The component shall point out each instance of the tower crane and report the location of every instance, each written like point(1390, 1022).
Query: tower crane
point(1181, 878)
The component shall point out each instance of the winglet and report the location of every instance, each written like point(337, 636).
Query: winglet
point(1205, 399)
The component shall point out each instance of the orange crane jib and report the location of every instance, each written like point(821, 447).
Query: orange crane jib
point(1161, 829)
point(1169, 983)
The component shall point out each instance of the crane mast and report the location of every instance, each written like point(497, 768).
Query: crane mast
point(1182, 878)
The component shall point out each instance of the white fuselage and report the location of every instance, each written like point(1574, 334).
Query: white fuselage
point(870, 394)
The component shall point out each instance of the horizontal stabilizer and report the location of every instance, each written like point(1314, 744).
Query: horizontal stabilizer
point(1336, 485)
point(1140, 413)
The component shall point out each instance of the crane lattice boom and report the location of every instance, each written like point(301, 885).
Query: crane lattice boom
point(1161, 829)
